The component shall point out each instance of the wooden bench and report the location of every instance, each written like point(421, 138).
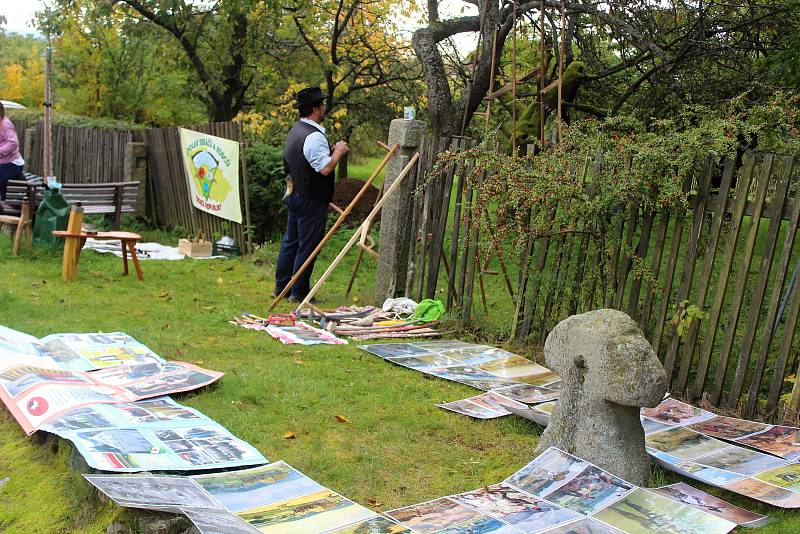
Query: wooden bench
point(112, 199)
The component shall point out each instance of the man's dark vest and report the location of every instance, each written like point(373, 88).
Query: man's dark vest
point(307, 182)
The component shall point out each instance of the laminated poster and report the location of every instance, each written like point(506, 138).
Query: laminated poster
point(151, 435)
point(274, 498)
point(489, 405)
point(35, 395)
point(303, 334)
point(701, 500)
point(558, 492)
point(480, 366)
point(77, 352)
point(683, 438)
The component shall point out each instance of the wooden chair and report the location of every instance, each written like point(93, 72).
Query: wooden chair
point(22, 222)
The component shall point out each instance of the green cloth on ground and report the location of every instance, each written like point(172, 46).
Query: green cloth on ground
point(429, 310)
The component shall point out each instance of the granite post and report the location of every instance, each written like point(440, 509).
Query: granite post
point(609, 372)
point(395, 218)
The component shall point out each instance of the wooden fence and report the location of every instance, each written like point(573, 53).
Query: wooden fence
point(97, 156)
point(732, 253)
point(80, 155)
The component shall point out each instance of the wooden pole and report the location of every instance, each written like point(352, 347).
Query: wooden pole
point(336, 225)
point(72, 245)
point(48, 106)
point(367, 222)
point(541, 73)
point(514, 84)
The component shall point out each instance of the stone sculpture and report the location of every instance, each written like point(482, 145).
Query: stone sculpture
point(609, 372)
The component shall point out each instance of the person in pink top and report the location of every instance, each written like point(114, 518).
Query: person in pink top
point(11, 161)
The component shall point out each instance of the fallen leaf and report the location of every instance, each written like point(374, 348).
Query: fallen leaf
point(219, 281)
point(289, 435)
point(355, 299)
point(208, 307)
point(342, 419)
point(299, 362)
point(374, 503)
point(199, 362)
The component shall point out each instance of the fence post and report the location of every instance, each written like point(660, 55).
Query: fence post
point(135, 170)
point(27, 149)
point(395, 213)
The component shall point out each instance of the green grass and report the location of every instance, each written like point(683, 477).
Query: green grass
point(398, 448)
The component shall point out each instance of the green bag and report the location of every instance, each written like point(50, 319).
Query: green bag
point(429, 310)
point(52, 214)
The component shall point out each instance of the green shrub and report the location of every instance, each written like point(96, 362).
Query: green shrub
point(267, 183)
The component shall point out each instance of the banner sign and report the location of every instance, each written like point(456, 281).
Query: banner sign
point(212, 171)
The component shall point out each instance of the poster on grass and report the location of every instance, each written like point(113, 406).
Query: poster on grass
point(212, 170)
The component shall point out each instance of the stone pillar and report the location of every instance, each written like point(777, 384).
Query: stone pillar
point(395, 219)
point(135, 170)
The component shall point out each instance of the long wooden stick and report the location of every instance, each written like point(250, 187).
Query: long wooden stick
point(336, 225)
point(366, 224)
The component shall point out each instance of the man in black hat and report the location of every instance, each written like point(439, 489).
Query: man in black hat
point(309, 164)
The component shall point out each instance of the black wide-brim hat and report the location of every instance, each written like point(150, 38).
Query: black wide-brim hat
point(308, 97)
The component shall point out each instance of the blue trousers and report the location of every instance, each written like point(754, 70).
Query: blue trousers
point(304, 230)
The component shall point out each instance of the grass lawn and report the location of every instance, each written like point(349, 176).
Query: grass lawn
point(396, 449)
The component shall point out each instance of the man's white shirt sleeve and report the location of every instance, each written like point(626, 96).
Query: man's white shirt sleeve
point(316, 150)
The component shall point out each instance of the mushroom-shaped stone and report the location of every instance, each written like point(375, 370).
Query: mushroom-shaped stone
point(609, 372)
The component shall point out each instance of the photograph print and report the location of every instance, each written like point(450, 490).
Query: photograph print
point(424, 361)
point(527, 393)
point(727, 427)
point(390, 350)
point(153, 491)
point(251, 488)
point(582, 526)
point(433, 516)
point(515, 507)
point(787, 477)
point(690, 496)
point(643, 512)
point(548, 472)
point(675, 412)
point(761, 491)
point(683, 443)
point(481, 525)
point(783, 441)
point(376, 525)
point(316, 512)
point(590, 491)
point(741, 460)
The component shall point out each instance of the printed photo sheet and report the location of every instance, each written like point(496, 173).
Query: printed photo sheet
point(558, 492)
point(686, 494)
point(783, 441)
point(151, 435)
point(489, 405)
point(78, 352)
point(274, 498)
point(36, 394)
point(480, 366)
point(303, 334)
